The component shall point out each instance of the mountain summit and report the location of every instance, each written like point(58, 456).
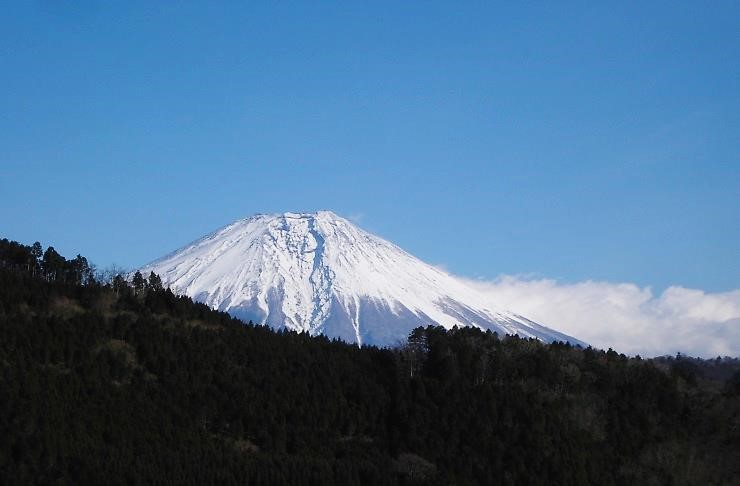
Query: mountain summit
point(319, 273)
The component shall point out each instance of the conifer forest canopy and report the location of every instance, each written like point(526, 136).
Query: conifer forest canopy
point(106, 380)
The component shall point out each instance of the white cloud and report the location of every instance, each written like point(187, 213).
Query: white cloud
point(625, 317)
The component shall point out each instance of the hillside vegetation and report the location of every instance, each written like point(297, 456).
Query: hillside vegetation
point(117, 383)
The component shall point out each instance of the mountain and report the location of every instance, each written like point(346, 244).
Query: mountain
point(319, 273)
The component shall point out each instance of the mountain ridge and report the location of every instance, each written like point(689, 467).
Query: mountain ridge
point(319, 273)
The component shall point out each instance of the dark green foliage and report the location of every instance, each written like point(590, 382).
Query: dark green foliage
point(138, 282)
point(53, 264)
point(155, 281)
point(113, 385)
point(49, 264)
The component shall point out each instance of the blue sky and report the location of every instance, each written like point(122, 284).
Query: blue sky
point(572, 141)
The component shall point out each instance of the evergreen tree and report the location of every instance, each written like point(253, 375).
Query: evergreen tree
point(53, 264)
point(79, 270)
point(155, 281)
point(119, 284)
point(37, 252)
point(138, 282)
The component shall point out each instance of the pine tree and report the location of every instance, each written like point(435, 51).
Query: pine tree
point(53, 264)
point(79, 270)
point(155, 281)
point(119, 284)
point(138, 282)
point(36, 252)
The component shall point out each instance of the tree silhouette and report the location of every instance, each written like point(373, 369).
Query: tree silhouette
point(155, 282)
point(138, 282)
point(53, 264)
point(37, 252)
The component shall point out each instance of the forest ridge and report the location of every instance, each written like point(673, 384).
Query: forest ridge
point(106, 381)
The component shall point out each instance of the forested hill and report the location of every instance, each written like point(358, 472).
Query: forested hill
point(111, 383)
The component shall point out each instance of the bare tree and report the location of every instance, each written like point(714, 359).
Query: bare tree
point(106, 275)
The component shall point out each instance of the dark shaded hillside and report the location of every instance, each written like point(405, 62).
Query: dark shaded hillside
point(119, 384)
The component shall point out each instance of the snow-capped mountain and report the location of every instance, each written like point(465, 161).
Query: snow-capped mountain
point(318, 272)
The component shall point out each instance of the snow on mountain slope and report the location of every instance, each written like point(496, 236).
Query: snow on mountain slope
point(319, 273)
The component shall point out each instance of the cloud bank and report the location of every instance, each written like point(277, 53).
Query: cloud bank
point(625, 317)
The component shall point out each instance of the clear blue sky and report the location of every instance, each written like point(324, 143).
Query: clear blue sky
point(567, 140)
